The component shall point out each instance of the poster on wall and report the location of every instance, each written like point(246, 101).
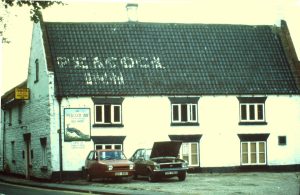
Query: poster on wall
point(77, 124)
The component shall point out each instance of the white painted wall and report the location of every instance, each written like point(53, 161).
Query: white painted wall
point(37, 117)
point(147, 119)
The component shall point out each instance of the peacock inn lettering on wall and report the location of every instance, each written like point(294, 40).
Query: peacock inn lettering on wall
point(111, 66)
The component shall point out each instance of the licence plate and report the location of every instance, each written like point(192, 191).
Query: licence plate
point(171, 172)
point(121, 173)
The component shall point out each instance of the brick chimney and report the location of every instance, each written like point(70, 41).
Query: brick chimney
point(132, 12)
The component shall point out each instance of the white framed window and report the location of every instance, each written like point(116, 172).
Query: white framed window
point(108, 146)
point(108, 114)
point(250, 112)
point(253, 153)
point(182, 113)
point(189, 152)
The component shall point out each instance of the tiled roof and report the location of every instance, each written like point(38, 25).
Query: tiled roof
point(167, 59)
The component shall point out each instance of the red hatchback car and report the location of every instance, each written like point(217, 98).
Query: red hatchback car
point(108, 164)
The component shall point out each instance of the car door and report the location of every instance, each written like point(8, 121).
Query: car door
point(141, 163)
point(89, 159)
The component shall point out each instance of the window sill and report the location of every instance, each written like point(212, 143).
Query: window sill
point(185, 124)
point(253, 123)
point(108, 125)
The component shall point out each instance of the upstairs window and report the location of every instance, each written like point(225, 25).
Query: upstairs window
point(20, 113)
point(108, 114)
point(37, 70)
point(10, 117)
point(252, 110)
point(184, 111)
point(108, 111)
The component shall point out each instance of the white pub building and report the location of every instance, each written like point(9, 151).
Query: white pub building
point(230, 93)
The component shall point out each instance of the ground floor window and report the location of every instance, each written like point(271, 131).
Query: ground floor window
point(189, 152)
point(108, 146)
point(253, 153)
point(13, 158)
point(44, 151)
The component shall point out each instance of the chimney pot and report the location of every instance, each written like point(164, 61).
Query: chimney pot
point(132, 12)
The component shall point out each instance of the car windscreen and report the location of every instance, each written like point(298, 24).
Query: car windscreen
point(112, 155)
point(147, 155)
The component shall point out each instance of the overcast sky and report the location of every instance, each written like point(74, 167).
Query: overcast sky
point(15, 55)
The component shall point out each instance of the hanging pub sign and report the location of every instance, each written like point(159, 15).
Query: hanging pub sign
point(77, 124)
point(22, 93)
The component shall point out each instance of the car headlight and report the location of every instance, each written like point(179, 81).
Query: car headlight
point(131, 166)
point(184, 165)
point(110, 167)
point(156, 166)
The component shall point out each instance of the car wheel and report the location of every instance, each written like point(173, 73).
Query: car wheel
point(88, 176)
point(151, 177)
point(182, 176)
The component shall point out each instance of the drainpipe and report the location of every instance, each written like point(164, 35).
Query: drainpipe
point(3, 139)
point(59, 98)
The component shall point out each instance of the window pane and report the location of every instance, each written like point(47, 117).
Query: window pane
point(245, 158)
point(108, 146)
point(262, 158)
point(175, 113)
point(183, 112)
point(117, 114)
point(193, 112)
point(185, 157)
point(98, 113)
point(260, 114)
point(107, 114)
point(118, 147)
point(252, 112)
point(253, 152)
point(244, 147)
point(194, 148)
point(261, 147)
point(98, 147)
point(194, 159)
point(185, 148)
point(253, 158)
point(253, 147)
point(243, 112)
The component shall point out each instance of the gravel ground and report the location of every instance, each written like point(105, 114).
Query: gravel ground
point(215, 183)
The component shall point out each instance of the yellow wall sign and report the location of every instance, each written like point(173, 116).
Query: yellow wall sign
point(22, 93)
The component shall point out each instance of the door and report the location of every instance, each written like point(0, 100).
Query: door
point(27, 137)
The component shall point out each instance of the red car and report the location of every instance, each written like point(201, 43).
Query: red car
point(108, 164)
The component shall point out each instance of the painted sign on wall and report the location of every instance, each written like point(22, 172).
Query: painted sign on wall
point(77, 124)
point(22, 93)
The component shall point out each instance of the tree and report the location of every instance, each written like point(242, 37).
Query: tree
point(35, 11)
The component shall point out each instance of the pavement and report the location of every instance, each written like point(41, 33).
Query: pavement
point(276, 183)
point(74, 186)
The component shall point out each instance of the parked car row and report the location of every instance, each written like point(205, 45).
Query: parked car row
point(161, 161)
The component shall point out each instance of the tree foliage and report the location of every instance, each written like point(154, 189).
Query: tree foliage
point(35, 11)
point(36, 6)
